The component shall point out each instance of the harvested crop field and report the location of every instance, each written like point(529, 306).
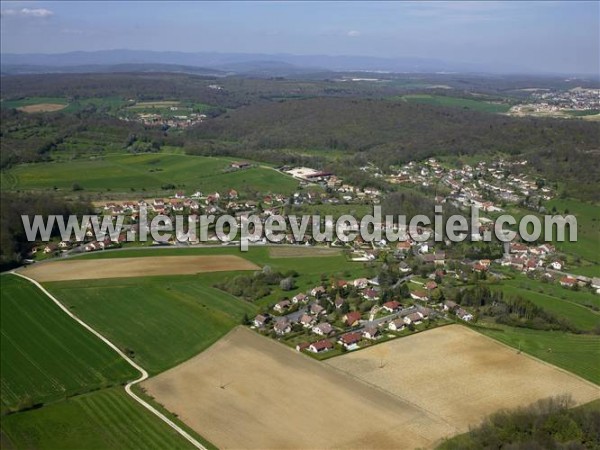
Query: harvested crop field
point(135, 267)
point(248, 391)
point(302, 252)
point(42, 107)
point(460, 374)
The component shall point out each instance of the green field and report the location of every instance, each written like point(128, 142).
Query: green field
point(311, 269)
point(109, 104)
point(160, 321)
point(456, 102)
point(581, 297)
point(46, 356)
point(588, 228)
point(577, 353)
point(569, 306)
point(145, 172)
point(99, 420)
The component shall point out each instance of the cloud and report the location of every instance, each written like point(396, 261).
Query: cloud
point(353, 33)
point(27, 12)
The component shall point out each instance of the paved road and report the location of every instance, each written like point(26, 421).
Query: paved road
point(128, 386)
point(376, 322)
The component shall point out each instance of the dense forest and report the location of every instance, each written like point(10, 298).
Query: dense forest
point(392, 132)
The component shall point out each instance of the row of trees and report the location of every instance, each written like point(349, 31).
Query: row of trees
point(14, 245)
point(510, 310)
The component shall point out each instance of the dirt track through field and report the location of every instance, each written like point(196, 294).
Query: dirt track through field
point(250, 392)
point(461, 374)
point(79, 269)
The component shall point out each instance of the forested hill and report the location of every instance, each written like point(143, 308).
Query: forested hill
point(390, 132)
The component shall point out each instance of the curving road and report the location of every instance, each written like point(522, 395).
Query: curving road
point(128, 386)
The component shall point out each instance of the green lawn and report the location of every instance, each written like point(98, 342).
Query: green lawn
point(456, 102)
point(568, 307)
point(46, 356)
point(99, 420)
point(577, 353)
point(161, 321)
point(145, 172)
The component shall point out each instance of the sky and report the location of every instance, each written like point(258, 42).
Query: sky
point(561, 37)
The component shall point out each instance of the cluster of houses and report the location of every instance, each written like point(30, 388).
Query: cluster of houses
point(305, 316)
point(333, 185)
point(546, 101)
point(177, 121)
point(484, 185)
point(527, 258)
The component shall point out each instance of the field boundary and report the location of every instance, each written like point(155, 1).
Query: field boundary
point(128, 386)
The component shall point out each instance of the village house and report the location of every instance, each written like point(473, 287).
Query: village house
point(568, 282)
point(317, 291)
point(449, 305)
point(50, 248)
point(282, 326)
point(302, 346)
point(240, 165)
point(352, 318)
point(463, 314)
point(370, 294)
point(316, 309)
point(371, 333)
point(360, 283)
point(299, 298)
point(339, 302)
point(320, 346)
point(392, 306)
point(261, 320)
point(282, 306)
point(403, 246)
point(307, 321)
point(419, 295)
point(349, 340)
point(396, 325)
point(322, 329)
point(413, 318)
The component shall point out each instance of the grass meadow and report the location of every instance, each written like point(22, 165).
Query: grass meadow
point(159, 321)
point(145, 172)
point(98, 420)
point(46, 356)
point(456, 102)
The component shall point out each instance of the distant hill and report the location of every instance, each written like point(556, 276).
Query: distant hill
point(18, 69)
point(240, 63)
